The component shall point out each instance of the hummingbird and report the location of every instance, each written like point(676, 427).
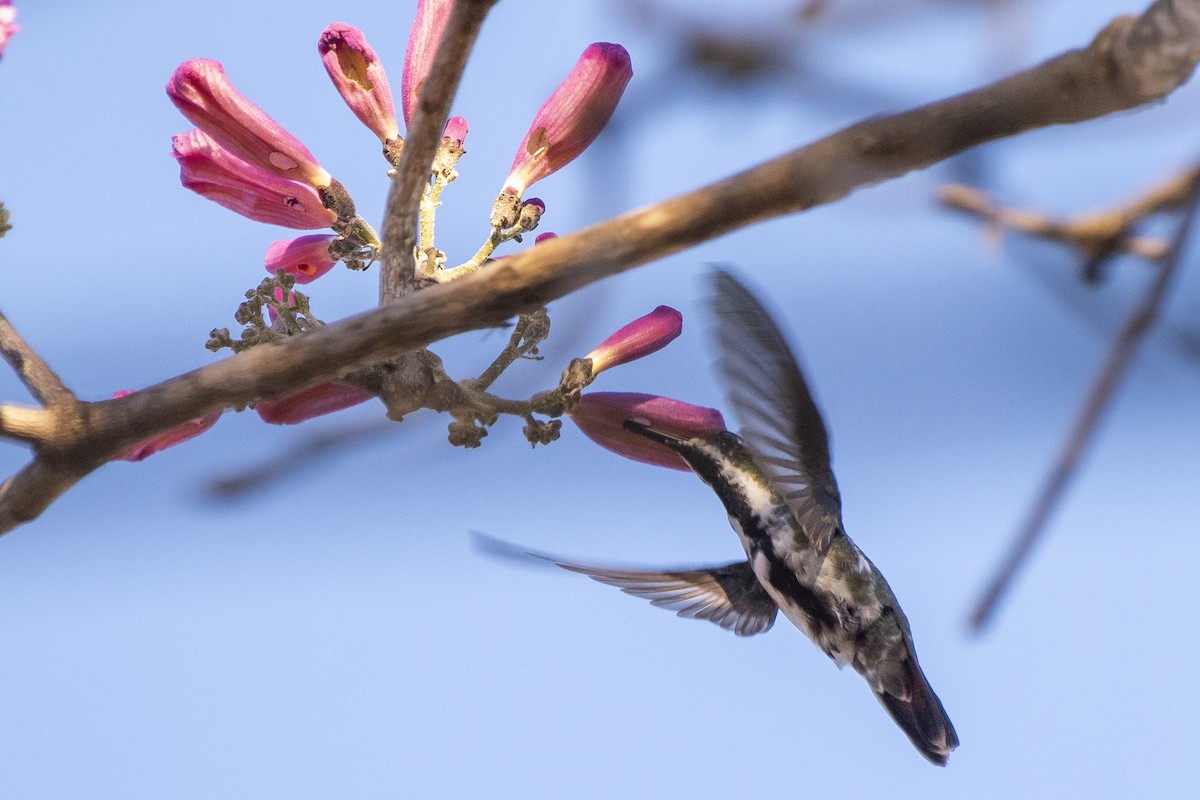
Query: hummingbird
point(775, 481)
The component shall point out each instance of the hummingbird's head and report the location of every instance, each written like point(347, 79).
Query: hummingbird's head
point(720, 458)
point(705, 447)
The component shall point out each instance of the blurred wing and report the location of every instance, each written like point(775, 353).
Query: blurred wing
point(780, 422)
point(728, 595)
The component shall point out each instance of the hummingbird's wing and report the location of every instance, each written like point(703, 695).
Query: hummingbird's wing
point(728, 595)
point(780, 422)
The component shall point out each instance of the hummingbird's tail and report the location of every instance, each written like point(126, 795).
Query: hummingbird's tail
point(919, 713)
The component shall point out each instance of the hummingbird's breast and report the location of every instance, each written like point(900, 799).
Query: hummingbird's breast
point(779, 553)
point(811, 588)
point(828, 595)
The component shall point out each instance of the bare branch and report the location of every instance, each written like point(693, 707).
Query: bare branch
point(1099, 397)
point(27, 494)
point(32, 425)
point(520, 345)
point(1096, 234)
point(35, 373)
point(1129, 63)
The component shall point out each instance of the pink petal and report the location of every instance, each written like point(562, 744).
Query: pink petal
point(8, 25)
point(291, 301)
point(456, 130)
point(359, 78)
point(573, 116)
point(180, 433)
point(315, 401)
point(602, 415)
point(200, 89)
point(639, 338)
point(423, 40)
point(306, 257)
point(213, 172)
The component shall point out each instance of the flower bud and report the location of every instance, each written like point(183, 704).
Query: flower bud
point(315, 401)
point(180, 433)
point(359, 78)
point(8, 25)
point(602, 415)
point(456, 130)
point(451, 149)
point(423, 41)
point(573, 116)
point(306, 257)
point(639, 338)
point(203, 94)
point(530, 214)
point(213, 172)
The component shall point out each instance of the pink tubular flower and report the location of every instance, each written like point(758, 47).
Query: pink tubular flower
point(359, 78)
point(203, 94)
point(639, 338)
point(213, 172)
point(180, 433)
point(423, 41)
point(8, 25)
point(601, 416)
point(307, 257)
point(315, 401)
point(573, 116)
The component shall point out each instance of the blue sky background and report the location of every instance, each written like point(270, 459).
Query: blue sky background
point(334, 634)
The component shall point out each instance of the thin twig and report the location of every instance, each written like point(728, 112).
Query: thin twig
point(519, 345)
point(35, 373)
point(1096, 234)
point(1131, 62)
point(1099, 397)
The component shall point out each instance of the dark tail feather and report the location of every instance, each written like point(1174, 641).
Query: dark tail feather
point(922, 717)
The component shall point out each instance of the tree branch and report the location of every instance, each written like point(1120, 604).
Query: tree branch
point(1099, 397)
point(1131, 62)
point(1097, 235)
point(424, 134)
point(35, 373)
point(31, 425)
point(25, 495)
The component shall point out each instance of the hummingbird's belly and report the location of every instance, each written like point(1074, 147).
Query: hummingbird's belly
point(790, 578)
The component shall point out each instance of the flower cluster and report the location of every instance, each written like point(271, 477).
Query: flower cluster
point(241, 158)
